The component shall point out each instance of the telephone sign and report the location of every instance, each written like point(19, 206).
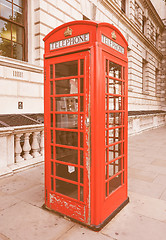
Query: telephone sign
point(86, 70)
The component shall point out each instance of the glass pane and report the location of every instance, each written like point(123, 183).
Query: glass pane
point(115, 103)
point(124, 73)
point(114, 135)
point(81, 158)
point(69, 86)
point(106, 107)
point(106, 189)
point(106, 120)
point(115, 119)
point(106, 137)
point(106, 67)
point(17, 51)
point(51, 120)
point(52, 152)
point(52, 168)
point(52, 136)
point(114, 183)
point(66, 69)
point(68, 189)
point(106, 155)
point(17, 14)
point(52, 184)
point(106, 85)
point(6, 9)
point(81, 194)
point(81, 66)
point(81, 104)
point(5, 30)
point(81, 85)
point(17, 34)
point(67, 138)
point(115, 70)
point(66, 104)
point(51, 71)
point(5, 47)
point(81, 140)
point(67, 155)
point(114, 151)
point(67, 121)
point(51, 88)
point(67, 172)
point(51, 104)
point(114, 167)
point(115, 86)
point(106, 172)
point(18, 2)
point(81, 175)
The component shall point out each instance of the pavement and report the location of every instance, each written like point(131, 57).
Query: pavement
point(144, 218)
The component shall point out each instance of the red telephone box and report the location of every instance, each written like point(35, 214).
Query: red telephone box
point(86, 70)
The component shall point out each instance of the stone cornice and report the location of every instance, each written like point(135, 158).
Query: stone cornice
point(153, 12)
point(9, 62)
point(111, 5)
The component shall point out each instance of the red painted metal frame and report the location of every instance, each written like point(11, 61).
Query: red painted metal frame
point(98, 207)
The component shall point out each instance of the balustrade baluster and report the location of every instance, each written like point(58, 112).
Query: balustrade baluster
point(35, 145)
point(27, 147)
point(42, 143)
point(18, 149)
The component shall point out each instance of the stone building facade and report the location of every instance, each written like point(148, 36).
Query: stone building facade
point(24, 24)
point(22, 81)
point(21, 77)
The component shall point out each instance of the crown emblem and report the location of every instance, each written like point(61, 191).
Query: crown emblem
point(68, 32)
point(113, 35)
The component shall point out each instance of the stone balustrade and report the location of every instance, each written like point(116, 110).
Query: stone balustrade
point(140, 123)
point(21, 147)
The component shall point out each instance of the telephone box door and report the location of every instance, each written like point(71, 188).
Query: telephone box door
point(115, 71)
point(67, 111)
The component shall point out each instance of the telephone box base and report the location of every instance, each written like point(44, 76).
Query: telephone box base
point(93, 227)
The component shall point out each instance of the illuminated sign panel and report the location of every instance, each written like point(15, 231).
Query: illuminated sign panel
point(112, 44)
point(70, 41)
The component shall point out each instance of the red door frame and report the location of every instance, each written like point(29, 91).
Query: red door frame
point(56, 201)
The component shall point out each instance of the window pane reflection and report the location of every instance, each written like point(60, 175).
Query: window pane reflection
point(6, 9)
point(115, 86)
point(67, 138)
point(67, 155)
point(69, 86)
point(81, 66)
point(64, 172)
point(68, 189)
point(114, 183)
point(66, 104)
point(115, 70)
point(66, 69)
point(115, 103)
point(17, 51)
point(67, 121)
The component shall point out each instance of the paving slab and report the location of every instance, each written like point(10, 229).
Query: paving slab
point(83, 233)
point(26, 222)
point(147, 176)
point(148, 206)
point(149, 189)
point(130, 225)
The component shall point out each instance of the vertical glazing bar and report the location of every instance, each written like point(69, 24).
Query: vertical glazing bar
point(79, 175)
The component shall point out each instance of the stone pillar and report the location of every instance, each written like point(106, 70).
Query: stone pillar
point(17, 148)
point(42, 143)
point(26, 147)
point(35, 145)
